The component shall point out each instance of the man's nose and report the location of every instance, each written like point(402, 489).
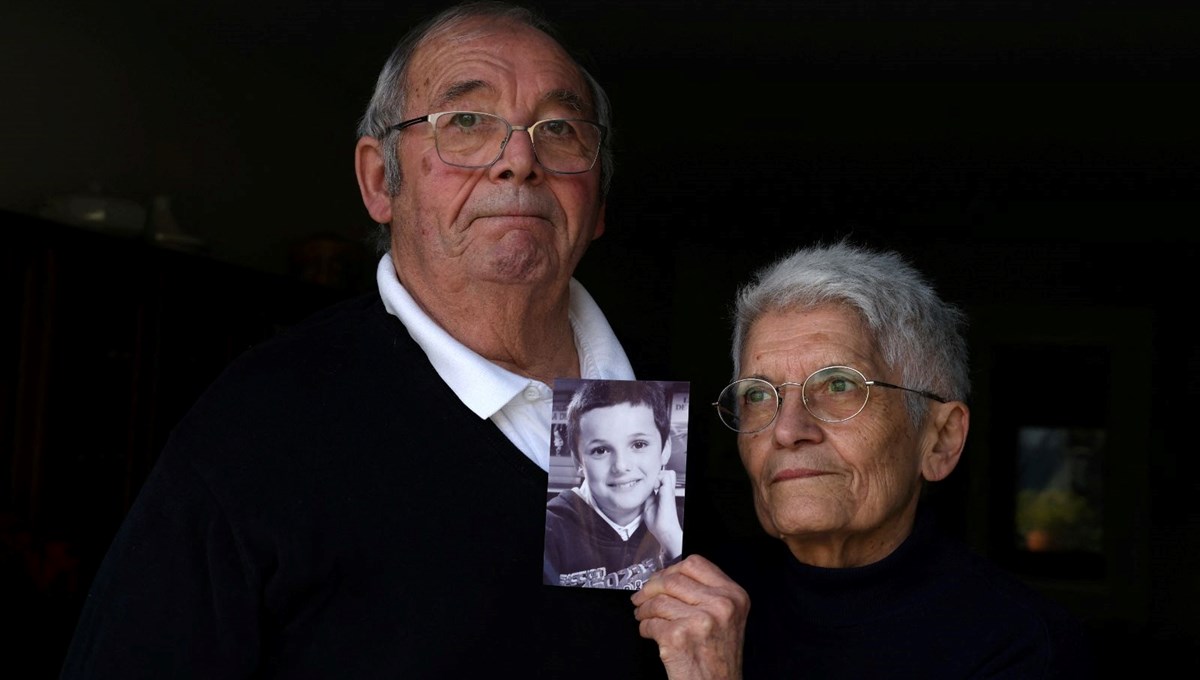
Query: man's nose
point(517, 158)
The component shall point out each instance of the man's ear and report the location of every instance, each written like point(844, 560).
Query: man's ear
point(600, 222)
point(666, 452)
point(368, 165)
point(946, 434)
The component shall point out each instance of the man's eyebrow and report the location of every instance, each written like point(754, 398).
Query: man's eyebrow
point(564, 97)
point(457, 90)
point(570, 98)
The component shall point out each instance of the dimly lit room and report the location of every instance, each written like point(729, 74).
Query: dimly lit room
point(177, 186)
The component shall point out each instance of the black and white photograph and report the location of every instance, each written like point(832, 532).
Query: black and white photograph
point(615, 498)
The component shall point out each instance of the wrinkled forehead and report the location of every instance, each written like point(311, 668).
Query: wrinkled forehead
point(489, 56)
point(829, 332)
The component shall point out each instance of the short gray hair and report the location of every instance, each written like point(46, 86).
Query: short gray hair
point(915, 331)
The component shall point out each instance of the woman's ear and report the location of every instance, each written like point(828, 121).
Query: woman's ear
point(947, 427)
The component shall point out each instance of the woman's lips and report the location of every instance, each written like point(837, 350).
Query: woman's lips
point(796, 473)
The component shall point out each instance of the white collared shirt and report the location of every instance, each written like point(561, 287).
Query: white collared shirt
point(521, 407)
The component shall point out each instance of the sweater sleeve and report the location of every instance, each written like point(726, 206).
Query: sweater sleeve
point(172, 598)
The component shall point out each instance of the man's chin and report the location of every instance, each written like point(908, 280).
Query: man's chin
point(517, 267)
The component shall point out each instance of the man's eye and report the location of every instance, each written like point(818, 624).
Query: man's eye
point(556, 128)
point(465, 120)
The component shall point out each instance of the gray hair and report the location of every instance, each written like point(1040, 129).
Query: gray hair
point(915, 331)
point(388, 101)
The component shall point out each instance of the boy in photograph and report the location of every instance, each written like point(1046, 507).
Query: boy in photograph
point(621, 523)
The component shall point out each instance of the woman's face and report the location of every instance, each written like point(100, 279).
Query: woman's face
point(622, 454)
point(840, 493)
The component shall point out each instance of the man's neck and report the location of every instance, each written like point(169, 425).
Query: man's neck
point(523, 329)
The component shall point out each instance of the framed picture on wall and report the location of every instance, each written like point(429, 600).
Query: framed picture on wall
point(1058, 463)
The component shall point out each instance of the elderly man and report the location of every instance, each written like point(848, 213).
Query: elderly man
point(848, 398)
point(364, 496)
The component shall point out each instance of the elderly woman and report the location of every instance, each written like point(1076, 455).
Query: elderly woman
point(849, 396)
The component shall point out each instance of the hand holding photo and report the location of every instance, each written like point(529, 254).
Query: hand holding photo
point(615, 499)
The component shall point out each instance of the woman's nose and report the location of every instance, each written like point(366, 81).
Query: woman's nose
point(793, 423)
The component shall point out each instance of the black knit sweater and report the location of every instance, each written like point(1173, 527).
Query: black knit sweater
point(931, 609)
point(330, 509)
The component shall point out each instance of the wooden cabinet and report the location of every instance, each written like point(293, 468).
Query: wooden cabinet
point(105, 342)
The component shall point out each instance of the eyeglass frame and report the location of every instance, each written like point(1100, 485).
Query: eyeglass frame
point(432, 118)
point(777, 390)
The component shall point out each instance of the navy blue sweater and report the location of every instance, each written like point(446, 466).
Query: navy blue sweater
point(330, 509)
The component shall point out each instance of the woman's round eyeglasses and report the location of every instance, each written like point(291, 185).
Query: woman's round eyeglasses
point(832, 394)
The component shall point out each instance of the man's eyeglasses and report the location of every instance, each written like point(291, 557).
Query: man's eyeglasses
point(833, 394)
point(469, 139)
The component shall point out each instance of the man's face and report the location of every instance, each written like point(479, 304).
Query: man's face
point(513, 222)
point(622, 453)
point(852, 484)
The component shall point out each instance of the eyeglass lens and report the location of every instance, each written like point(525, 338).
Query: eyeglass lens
point(472, 139)
point(831, 394)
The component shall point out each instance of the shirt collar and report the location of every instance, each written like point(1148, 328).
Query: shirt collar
point(483, 386)
point(624, 531)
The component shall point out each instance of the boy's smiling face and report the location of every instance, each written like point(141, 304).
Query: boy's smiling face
point(622, 454)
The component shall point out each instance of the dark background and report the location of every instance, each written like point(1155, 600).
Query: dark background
point(1040, 163)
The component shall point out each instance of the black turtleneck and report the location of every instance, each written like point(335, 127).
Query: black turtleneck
point(931, 609)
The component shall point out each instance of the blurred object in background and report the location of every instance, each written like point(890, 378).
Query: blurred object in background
point(94, 210)
point(164, 229)
point(330, 260)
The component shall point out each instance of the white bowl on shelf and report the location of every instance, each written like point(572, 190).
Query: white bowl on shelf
point(102, 213)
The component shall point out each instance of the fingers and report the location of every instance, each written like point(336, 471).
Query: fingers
point(662, 517)
point(663, 498)
point(690, 581)
point(666, 481)
point(694, 590)
point(697, 616)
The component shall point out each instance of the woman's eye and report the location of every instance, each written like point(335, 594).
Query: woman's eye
point(757, 396)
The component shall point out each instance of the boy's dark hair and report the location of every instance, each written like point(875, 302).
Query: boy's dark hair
point(593, 394)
